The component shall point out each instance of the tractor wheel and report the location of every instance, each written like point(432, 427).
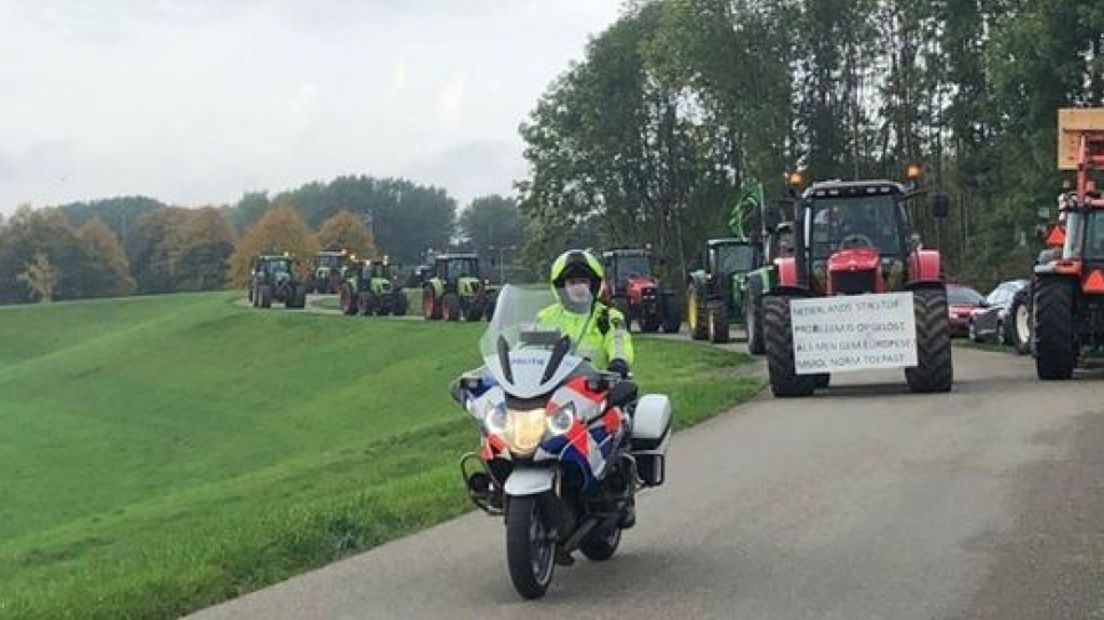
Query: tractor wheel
point(364, 304)
point(753, 318)
point(298, 299)
point(254, 299)
point(488, 312)
point(717, 317)
point(1020, 316)
point(450, 306)
point(934, 370)
point(266, 296)
point(399, 306)
point(694, 320)
point(672, 317)
point(649, 323)
point(431, 309)
point(383, 305)
point(784, 380)
point(622, 305)
point(1056, 346)
point(347, 301)
point(473, 310)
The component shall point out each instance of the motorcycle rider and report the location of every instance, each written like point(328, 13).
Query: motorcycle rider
point(598, 331)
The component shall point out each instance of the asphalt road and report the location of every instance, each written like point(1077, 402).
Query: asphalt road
point(862, 502)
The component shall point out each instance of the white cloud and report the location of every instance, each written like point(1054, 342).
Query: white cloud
point(450, 102)
point(197, 102)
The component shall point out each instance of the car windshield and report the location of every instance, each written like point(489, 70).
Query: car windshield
point(462, 268)
point(735, 258)
point(329, 260)
point(626, 266)
point(873, 221)
point(963, 295)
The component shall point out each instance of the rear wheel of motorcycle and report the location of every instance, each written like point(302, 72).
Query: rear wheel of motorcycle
point(600, 546)
point(530, 546)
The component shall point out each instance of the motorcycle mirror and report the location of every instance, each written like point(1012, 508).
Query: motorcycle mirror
point(455, 392)
point(622, 394)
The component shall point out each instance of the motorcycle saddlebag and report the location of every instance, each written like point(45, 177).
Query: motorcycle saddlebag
point(651, 433)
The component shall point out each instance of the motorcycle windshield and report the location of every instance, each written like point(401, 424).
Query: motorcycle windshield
point(526, 356)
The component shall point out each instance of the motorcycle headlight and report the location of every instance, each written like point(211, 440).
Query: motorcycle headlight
point(524, 430)
point(560, 422)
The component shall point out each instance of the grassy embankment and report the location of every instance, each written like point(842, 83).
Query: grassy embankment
point(164, 453)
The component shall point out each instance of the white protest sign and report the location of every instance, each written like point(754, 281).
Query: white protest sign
point(859, 332)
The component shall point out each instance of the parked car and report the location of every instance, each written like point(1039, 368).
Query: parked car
point(1004, 316)
point(961, 303)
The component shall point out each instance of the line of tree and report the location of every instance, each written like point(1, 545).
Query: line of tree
point(131, 245)
point(682, 103)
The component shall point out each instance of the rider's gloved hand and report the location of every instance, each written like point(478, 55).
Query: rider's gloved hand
point(620, 367)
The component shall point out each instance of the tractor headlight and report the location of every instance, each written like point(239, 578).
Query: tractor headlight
point(560, 422)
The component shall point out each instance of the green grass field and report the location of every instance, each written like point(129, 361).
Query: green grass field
point(164, 453)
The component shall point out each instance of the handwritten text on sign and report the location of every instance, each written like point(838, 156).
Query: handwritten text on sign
point(838, 334)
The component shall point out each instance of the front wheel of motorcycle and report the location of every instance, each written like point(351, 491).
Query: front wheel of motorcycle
point(530, 546)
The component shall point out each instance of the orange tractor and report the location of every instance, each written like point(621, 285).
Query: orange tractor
point(1068, 286)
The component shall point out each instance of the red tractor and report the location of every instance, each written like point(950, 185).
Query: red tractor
point(634, 289)
point(1068, 287)
point(855, 238)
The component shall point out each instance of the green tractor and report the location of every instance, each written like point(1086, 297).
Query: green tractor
point(327, 272)
point(272, 278)
point(453, 289)
point(715, 294)
point(372, 287)
point(777, 243)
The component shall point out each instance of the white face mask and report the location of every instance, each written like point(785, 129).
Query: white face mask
point(579, 294)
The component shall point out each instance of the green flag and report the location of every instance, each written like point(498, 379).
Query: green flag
point(749, 202)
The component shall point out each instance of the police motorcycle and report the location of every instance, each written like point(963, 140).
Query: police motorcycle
point(564, 447)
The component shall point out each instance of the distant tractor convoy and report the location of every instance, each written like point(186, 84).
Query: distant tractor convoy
point(372, 287)
point(632, 287)
point(844, 238)
point(272, 278)
point(453, 289)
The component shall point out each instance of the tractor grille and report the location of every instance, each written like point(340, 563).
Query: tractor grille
point(853, 282)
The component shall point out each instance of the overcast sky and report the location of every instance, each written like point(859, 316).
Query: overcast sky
point(194, 102)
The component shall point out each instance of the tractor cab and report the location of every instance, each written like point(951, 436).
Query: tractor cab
point(634, 289)
point(727, 257)
point(382, 276)
point(272, 269)
point(328, 270)
point(452, 267)
point(628, 270)
point(856, 236)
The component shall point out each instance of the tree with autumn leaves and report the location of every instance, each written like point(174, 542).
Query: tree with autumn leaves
point(279, 230)
point(345, 231)
point(43, 257)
